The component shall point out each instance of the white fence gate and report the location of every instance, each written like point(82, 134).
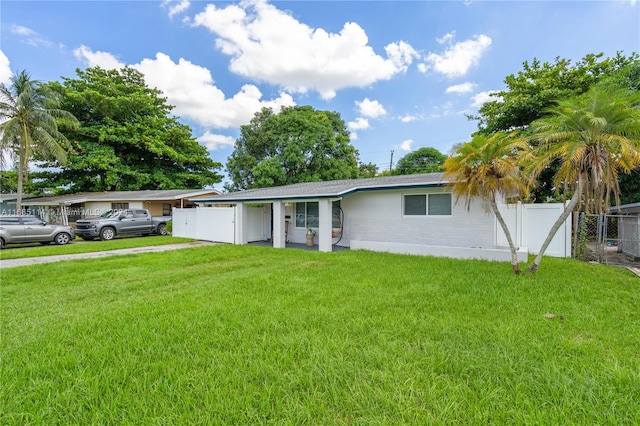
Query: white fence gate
point(205, 223)
point(529, 225)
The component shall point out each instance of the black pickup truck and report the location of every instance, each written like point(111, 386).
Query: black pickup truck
point(122, 222)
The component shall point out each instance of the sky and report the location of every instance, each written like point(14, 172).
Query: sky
point(401, 74)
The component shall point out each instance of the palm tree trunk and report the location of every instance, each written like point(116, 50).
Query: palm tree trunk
point(20, 170)
point(554, 229)
point(507, 233)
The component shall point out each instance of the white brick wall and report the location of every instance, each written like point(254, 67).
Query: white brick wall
point(377, 216)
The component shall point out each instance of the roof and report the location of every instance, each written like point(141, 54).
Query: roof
point(13, 197)
point(327, 189)
point(626, 208)
point(148, 195)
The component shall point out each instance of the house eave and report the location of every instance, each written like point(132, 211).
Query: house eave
point(306, 197)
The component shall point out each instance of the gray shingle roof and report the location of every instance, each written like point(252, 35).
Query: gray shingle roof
point(149, 195)
point(327, 189)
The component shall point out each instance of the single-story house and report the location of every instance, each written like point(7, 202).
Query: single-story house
point(69, 208)
point(415, 214)
point(8, 203)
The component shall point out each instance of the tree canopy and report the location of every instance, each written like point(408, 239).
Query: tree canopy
point(127, 139)
point(539, 86)
point(30, 116)
point(298, 144)
point(422, 160)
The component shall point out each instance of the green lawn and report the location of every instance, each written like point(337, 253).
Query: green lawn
point(252, 335)
point(20, 251)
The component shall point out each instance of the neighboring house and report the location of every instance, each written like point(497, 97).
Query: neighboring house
point(69, 208)
point(405, 214)
point(8, 204)
point(627, 217)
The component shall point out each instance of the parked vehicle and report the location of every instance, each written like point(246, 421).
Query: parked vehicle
point(122, 222)
point(31, 229)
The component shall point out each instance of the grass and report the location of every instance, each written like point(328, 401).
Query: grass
point(245, 335)
point(20, 251)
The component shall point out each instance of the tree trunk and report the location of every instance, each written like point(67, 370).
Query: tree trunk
point(20, 170)
point(554, 229)
point(507, 233)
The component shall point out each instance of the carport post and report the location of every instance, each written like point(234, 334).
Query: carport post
point(242, 218)
point(324, 228)
point(279, 237)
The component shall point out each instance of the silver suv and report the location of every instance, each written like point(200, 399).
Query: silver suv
point(30, 229)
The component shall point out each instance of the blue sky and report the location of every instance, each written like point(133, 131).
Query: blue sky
point(402, 74)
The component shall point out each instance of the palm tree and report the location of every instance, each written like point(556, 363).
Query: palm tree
point(488, 167)
point(592, 137)
point(28, 126)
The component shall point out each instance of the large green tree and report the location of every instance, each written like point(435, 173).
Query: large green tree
point(298, 144)
point(127, 139)
point(30, 116)
point(538, 86)
point(488, 168)
point(422, 160)
point(592, 138)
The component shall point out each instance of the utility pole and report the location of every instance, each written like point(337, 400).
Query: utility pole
point(391, 163)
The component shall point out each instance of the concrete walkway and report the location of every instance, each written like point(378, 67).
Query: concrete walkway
point(12, 263)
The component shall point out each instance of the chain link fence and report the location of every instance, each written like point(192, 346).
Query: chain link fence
point(610, 239)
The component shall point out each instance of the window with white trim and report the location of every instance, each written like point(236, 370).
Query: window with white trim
point(308, 214)
point(427, 205)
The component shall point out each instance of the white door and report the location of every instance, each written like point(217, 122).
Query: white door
point(256, 225)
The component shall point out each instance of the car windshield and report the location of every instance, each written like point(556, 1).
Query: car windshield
point(110, 213)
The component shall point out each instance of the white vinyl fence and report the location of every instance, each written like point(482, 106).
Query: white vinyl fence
point(205, 223)
point(529, 225)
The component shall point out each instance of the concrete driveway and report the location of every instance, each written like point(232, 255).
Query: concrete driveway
point(12, 263)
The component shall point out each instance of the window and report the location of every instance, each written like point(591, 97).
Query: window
point(9, 221)
point(119, 206)
point(166, 209)
point(141, 213)
point(307, 215)
point(415, 205)
point(427, 204)
point(31, 221)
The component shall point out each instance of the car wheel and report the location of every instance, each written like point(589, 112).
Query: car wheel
point(107, 234)
point(162, 229)
point(1, 243)
point(62, 238)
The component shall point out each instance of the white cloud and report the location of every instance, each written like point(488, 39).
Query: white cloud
point(22, 31)
point(191, 89)
point(5, 69)
point(176, 6)
point(461, 88)
point(30, 36)
point(268, 44)
point(358, 124)
point(97, 59)
point(458, 58)
point(372, 109)
point(409, 118)
point(212, 141)
point(406, 145)
point(480, 98)
point(448, 37)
